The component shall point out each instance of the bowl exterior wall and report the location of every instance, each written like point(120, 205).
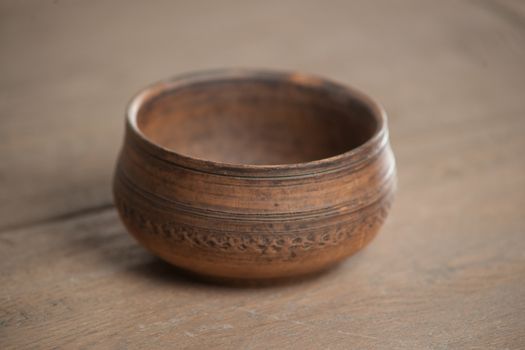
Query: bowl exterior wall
point(269, 224)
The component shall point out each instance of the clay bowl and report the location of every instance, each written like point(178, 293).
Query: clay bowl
point(254, 174)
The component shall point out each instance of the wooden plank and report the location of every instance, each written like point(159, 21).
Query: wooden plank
point(68, 70)
point(446, 272)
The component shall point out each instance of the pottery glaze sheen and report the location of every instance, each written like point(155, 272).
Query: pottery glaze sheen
point(254, 174)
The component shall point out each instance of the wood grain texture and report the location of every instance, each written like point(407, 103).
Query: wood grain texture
point(448, 270)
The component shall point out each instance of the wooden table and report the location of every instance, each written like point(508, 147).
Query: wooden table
point(447, 270)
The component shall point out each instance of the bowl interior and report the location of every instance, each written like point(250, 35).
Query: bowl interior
point(257, 121)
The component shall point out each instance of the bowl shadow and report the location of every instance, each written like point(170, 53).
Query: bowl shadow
point(165, 273)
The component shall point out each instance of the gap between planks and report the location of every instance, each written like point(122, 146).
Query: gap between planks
point(59, 217)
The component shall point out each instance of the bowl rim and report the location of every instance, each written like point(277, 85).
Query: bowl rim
point(373, 144)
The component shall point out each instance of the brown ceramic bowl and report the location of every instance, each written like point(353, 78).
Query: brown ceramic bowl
point(254, 174)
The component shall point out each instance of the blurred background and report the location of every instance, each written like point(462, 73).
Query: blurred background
point(68, 69)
